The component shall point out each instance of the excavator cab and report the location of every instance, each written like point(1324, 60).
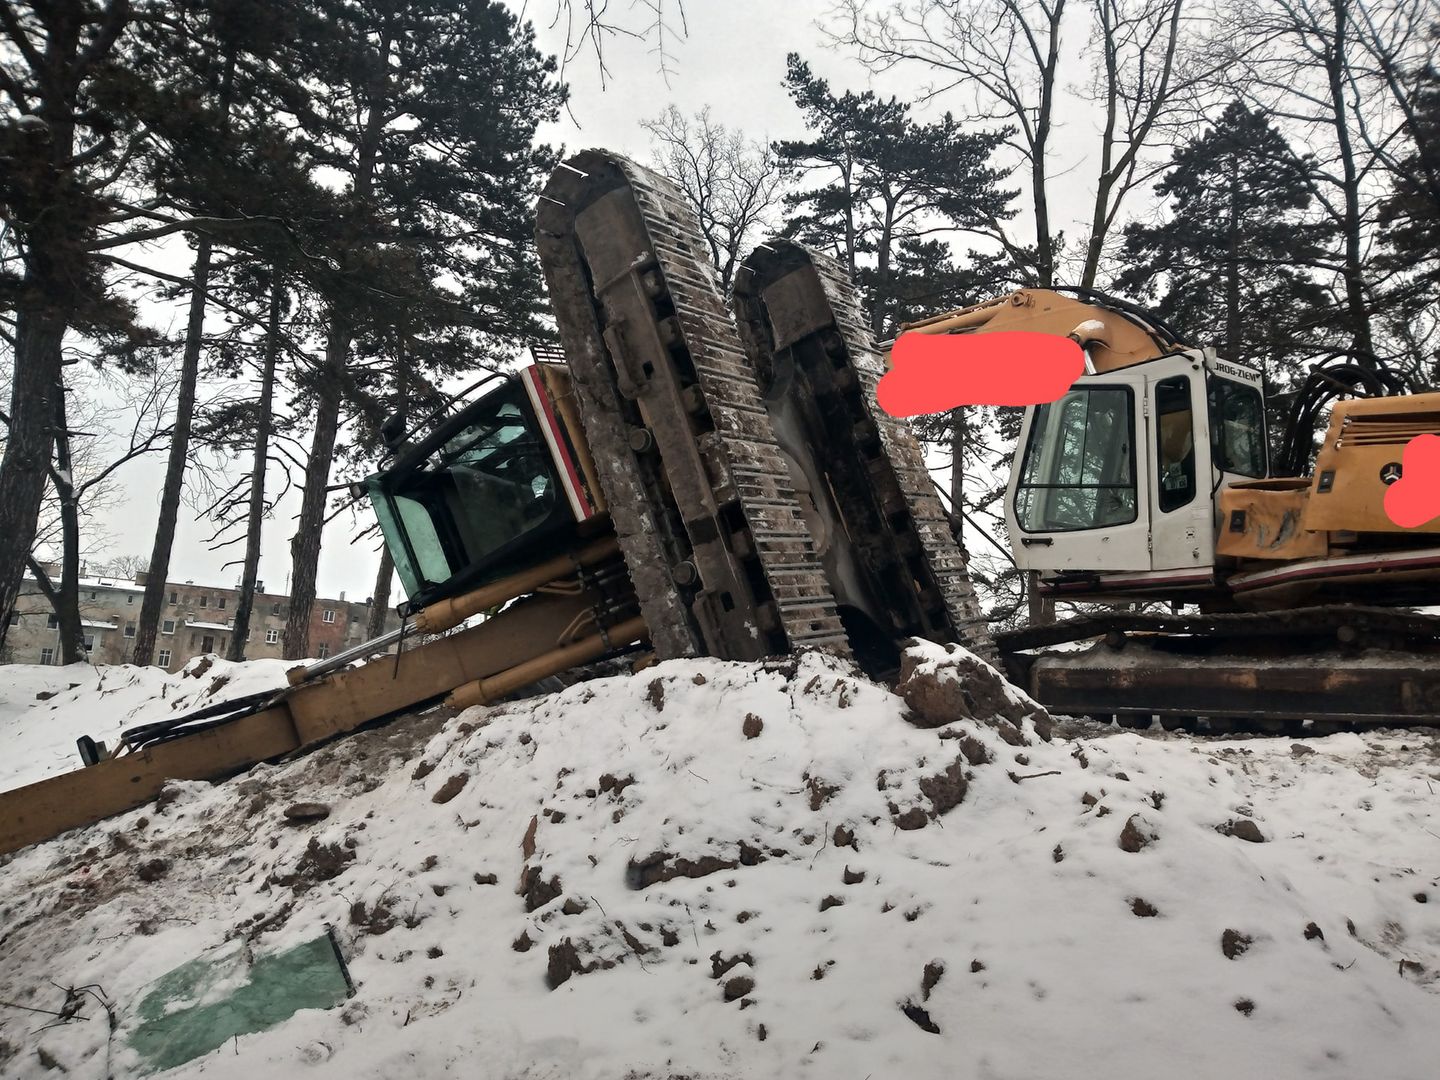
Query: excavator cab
point(1116, 478)
point(491, 487)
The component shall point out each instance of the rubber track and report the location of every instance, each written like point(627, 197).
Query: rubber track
point(903, 453)
point(742, 443)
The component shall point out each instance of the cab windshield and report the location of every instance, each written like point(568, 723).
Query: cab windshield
point(488, 485)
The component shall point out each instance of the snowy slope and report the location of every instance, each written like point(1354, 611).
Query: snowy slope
point(834, 890)
point(44, 709)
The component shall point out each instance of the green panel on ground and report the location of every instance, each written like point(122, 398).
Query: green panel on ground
point(203, 1004)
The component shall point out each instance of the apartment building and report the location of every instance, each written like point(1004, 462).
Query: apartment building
point(197, 619)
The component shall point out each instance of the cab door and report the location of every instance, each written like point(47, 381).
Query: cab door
point(1182, 517)
point(1079, 498)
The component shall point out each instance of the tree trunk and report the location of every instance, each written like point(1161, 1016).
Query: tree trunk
point(305, 544)
point(1234, 346)
point(38, 337)
point(1044, 255)
point(1357, 308)
point(240, 630)
point(380, 598)
point(957, 474)
point(67, 600)
point(154, 604)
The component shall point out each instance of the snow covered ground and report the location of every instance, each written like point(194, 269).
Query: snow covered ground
point(726, 870)
point(44, 709)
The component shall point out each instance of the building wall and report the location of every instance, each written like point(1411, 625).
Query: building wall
point(196, 620)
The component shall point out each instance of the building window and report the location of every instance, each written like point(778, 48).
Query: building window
point(94, 595)
point(47, 656)
point(90, 643)
point(220, 603)
point(354, 619)
point(204, 601)
point(207, 644)
point(272, 637)
point(274, 609)
point(129, 629)
point(165, 658)
point(174, 598)
point(52, 623)
point(168, 626)
point(194, 640)
point(130, 598)
point(323, 651)
point(329, 616)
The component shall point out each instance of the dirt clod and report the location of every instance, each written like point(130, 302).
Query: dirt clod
point(487, 879)
point(920, 1017)
point(1136, 835)
point(451, 788)
point(1244, 1006)
point(1233, 943)
point(947, 789)
point(963, 687)
point(829, 902)
point(738, 987)
point(614, 785)
point(537, 891)
point(721, 964)
point(853, 877)
point(564, 961)
point(844, 837)
point(820, 791)
point(523, 942)
point(930, 978)
point(655, 694)
point(1242, 829)
point(1143, 909)
point(912, 819)
point(153, 870)
point(753, 726)
point(1312, 932)
point(662, 866)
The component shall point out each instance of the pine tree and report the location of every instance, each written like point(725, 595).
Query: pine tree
point(228, 78)
point(430, 120)
point(1233, 262)
point(1410, 218)
point(880, 180)
point(65, 125)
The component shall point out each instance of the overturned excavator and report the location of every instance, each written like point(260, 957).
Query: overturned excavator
point(681, 480)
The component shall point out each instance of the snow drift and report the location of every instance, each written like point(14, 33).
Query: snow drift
point(715, 869)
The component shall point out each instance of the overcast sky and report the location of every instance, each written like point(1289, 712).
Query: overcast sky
point(732, 60)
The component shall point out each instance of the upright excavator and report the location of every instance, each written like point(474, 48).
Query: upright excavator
point(679, 479)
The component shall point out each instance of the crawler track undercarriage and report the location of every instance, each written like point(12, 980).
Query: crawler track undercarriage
point(1307, 671)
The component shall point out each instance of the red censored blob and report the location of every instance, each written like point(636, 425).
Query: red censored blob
point(932, 373)
point(1414, 499)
